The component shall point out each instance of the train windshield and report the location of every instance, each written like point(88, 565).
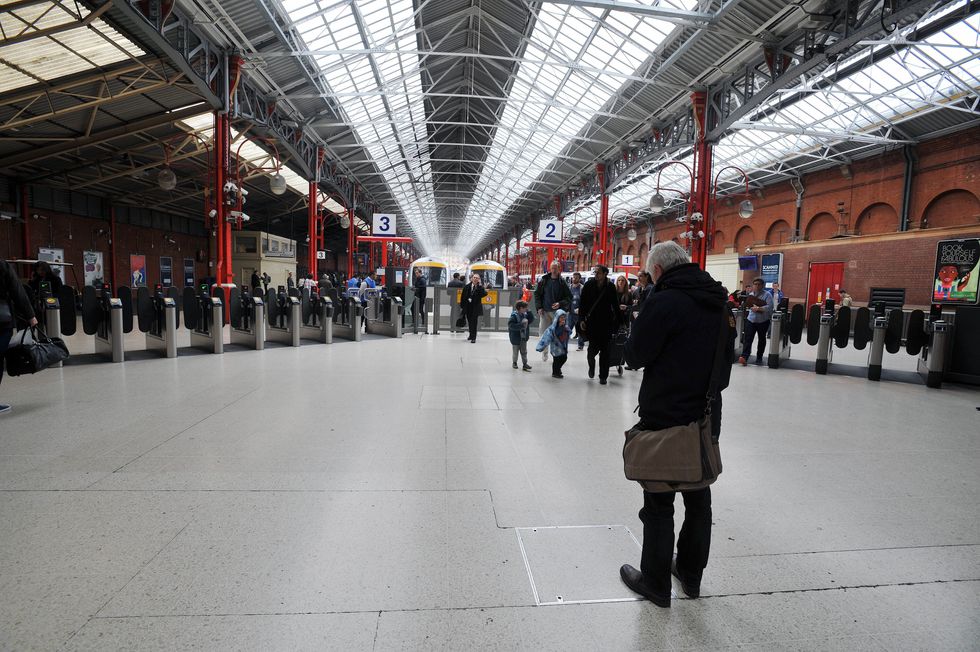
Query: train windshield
point(491, 278)
point(435, 275)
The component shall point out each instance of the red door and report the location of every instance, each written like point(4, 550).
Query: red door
point(824, 277)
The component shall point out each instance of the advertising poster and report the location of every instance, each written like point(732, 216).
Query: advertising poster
point(957, 272)
point(92, 265)
point(188, 272)
point(772, 269)
point(166, 271)
point(137, 271)
point(53, 256)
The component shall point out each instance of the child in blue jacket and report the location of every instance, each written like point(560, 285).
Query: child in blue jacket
point(519, 329)
point(556, 338)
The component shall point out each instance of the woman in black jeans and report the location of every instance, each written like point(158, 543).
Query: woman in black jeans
point(14, 307)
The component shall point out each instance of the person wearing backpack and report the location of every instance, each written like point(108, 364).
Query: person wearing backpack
point(14, 307)
point(519, 330)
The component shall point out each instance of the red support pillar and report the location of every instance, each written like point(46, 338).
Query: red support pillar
point(701, 195)
point(534, 257)
point(222, 156)
point(25, 216)
point(603, 217)
point(351, 250)
point(311, 223)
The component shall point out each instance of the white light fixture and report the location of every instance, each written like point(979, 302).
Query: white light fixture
point(166, 179)
point(344, 222)
point(277, 184)
point(745, 209)
point(657, 203)
point(631, 234)
point(580, 246)
point(573, 232)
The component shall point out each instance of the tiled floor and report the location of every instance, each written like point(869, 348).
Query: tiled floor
point(421, 494)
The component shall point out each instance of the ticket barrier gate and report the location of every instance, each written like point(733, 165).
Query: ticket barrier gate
point(347, 320)
point(284, 317)
point(937, 335)
point(317, 323)
point(779, 346)
point(205, 317)
point(157, 319)
point(390, 312)
point(247, 318)
point(739, 315)
point(105, 317)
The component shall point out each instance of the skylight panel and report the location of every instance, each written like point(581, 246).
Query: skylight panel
point(396, 121)
point(562, 35)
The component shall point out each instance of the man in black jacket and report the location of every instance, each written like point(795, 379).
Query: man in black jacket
point(674, 339)
point(599, 318)
point(14, 307)
point(471, 303)
point(418, 306)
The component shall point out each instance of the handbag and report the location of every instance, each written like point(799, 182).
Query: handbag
point(679, 458)
point(31, 357)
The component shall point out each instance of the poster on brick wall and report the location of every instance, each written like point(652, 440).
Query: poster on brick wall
point(166, 271)
point(188, 272)
point(772, 269)
point(957, 279)
point(92, 265)
point(137, 271)
point(53, 256)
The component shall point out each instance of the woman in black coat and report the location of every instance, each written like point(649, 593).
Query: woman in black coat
point(471, 304)
point(15, 308)
point(599, 318)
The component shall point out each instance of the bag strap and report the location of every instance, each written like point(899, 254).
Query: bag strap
point(719, 360)
point(595, 304)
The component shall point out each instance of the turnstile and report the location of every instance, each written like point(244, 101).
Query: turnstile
point(779, 344)
point(161, 335)
point(205, 317)
point(388, 320)
point(347, 320)
point(248, 326)
point(284, 318)
point(317, 321)
point(932, 362)
point(103, 318)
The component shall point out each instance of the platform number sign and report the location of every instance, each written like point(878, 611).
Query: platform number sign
point(549, 231)
point(627, 260)
point(384, 224)
point(321, 255)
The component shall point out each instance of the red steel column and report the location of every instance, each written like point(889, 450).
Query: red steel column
point(603, 216)
point(350, 235)
point(311, 215)
point(702, 182)
point(222, 154)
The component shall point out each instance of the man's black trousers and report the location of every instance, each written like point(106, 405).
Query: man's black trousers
point(658, 537)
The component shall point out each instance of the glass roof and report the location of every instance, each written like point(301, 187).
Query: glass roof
point(45, 58)
point(865, 109)
point(392, 123)
point(538, 121)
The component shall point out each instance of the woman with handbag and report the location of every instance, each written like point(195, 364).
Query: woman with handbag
point(13, 301)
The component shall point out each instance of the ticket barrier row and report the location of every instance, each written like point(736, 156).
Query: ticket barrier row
point(280, 316)
point(827, 329)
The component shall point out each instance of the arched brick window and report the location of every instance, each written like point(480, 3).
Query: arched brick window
point(744, 238)
point(877, 218)
point(821, 226)
point(952, 208)
point(779, 233)
point(719, 243)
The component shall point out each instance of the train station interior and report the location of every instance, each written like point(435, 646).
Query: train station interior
point(260, 412)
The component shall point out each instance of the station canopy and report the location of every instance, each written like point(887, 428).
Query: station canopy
point(468, 117)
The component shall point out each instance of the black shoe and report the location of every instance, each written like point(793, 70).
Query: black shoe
point(634, 579)
point(758, 360)
point(690, 590)
point(515, 365)
point(527, 367)
point(557, 375)
point(4, 408)
point(591, 370)
point(602, 381)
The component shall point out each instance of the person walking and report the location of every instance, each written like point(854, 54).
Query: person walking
point(757, 319)
point(457, 282)
point(675, 339)
point(14, 307)
point(600, 318)
point(556, 339)
point(44, 274)
point(845, 299)
point(471, 304)
point(519, 331)
point(255, 281)
point(290, 283)
point(551, 294)
point(624, 297)
point(575, 288)
point(418, 306)
point(641, 291)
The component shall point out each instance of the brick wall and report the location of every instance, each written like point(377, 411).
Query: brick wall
point(56, 229)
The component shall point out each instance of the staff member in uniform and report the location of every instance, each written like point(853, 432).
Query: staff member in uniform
point(14, 307)
point(471, 303)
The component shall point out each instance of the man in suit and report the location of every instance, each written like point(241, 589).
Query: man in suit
point(471, 304)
